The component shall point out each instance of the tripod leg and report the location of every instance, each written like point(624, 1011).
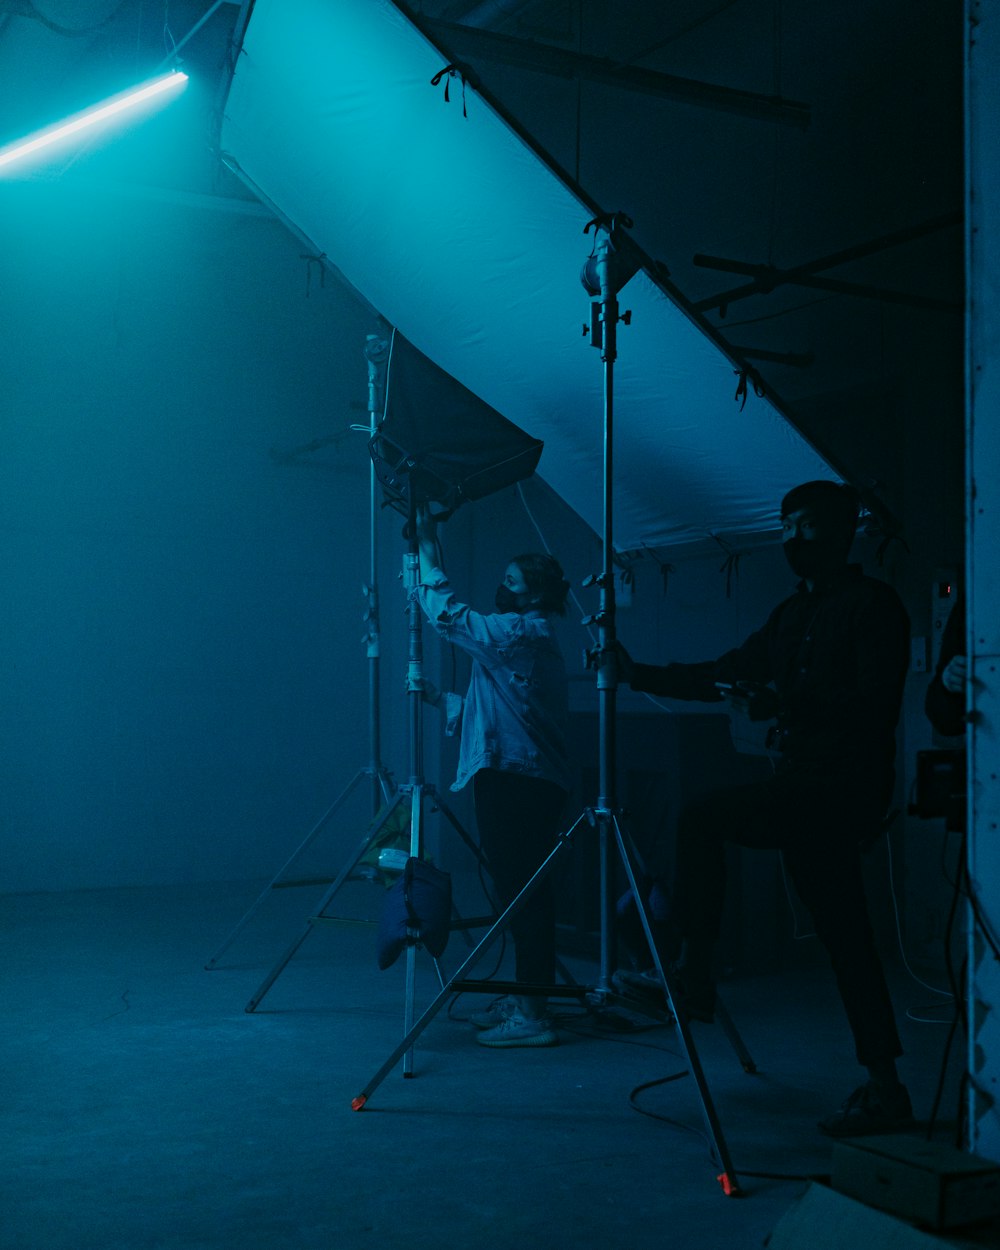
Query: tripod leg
point(373, 830)
point(313, 834)
point(417, 797)
point(456, 824)
point(727, 1179)
point(477, 851)
point(464, 835)
point(408, 1005)
point(472, 959)
point(732, 1033)
point(473, 846)
point(384, 784)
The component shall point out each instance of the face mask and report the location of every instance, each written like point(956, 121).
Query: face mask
point(506, 600)
point(810, 558)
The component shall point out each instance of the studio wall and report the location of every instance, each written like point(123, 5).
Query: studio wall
point(182, 669)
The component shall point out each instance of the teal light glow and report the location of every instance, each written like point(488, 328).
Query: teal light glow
point(94, 116)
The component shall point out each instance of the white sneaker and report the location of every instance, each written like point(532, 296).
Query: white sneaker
point(498, 1011)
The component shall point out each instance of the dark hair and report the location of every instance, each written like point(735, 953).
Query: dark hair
point(544, 577)
point(835, 503)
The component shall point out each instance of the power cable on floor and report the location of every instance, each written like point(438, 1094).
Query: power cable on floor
point(634, 1094)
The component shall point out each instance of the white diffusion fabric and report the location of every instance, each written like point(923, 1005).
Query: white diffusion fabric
point(454, 229)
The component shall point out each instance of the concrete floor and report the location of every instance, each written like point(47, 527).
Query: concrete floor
point(144, 1107)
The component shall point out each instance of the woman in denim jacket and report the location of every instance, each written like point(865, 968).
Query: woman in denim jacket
point(512, 722)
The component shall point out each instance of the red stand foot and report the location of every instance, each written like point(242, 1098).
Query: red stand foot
point(730, 1185)
point(358, 1103)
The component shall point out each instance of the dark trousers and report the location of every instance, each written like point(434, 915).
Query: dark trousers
point(518, 820)
point(818, 825)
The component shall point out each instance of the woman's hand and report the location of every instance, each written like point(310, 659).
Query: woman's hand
point(430, 693)
point(426, 525)
point(427, 543)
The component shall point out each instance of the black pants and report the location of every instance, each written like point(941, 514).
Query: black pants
point(817, 824)
point(518, 820)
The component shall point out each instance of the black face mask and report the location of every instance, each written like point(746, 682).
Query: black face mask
point(506, 600)
point(811, 558)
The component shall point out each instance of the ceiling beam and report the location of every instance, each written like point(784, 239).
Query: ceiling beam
point(767, 278)
point(546, 59)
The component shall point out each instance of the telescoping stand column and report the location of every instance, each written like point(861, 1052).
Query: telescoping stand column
point(604, 273)
point(382, 789)
point(408, 806)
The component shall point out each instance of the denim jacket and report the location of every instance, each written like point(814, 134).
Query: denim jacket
point(514, 715)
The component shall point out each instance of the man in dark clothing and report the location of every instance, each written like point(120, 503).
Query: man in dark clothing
point(828, 666)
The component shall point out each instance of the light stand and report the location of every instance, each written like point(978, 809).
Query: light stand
point(607, 270)
point(376, 354)
point(411, 799)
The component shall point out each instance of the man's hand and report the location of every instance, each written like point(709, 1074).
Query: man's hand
point(624, 662)
point(955, 674)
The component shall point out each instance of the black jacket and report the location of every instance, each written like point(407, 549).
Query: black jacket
point(837, 657)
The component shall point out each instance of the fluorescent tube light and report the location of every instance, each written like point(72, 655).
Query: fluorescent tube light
point(92, 116)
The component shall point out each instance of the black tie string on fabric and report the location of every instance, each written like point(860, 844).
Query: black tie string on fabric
point(748, 377)
point(449, 72)
point(730, 565)
point(314, 260)
point(665, 568)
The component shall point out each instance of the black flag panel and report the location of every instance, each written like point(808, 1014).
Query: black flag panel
point(440, 441)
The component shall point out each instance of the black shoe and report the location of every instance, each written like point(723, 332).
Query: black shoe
point(646, 984)
point(698, 1003)
point(871, 1109)
point(643, 992)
